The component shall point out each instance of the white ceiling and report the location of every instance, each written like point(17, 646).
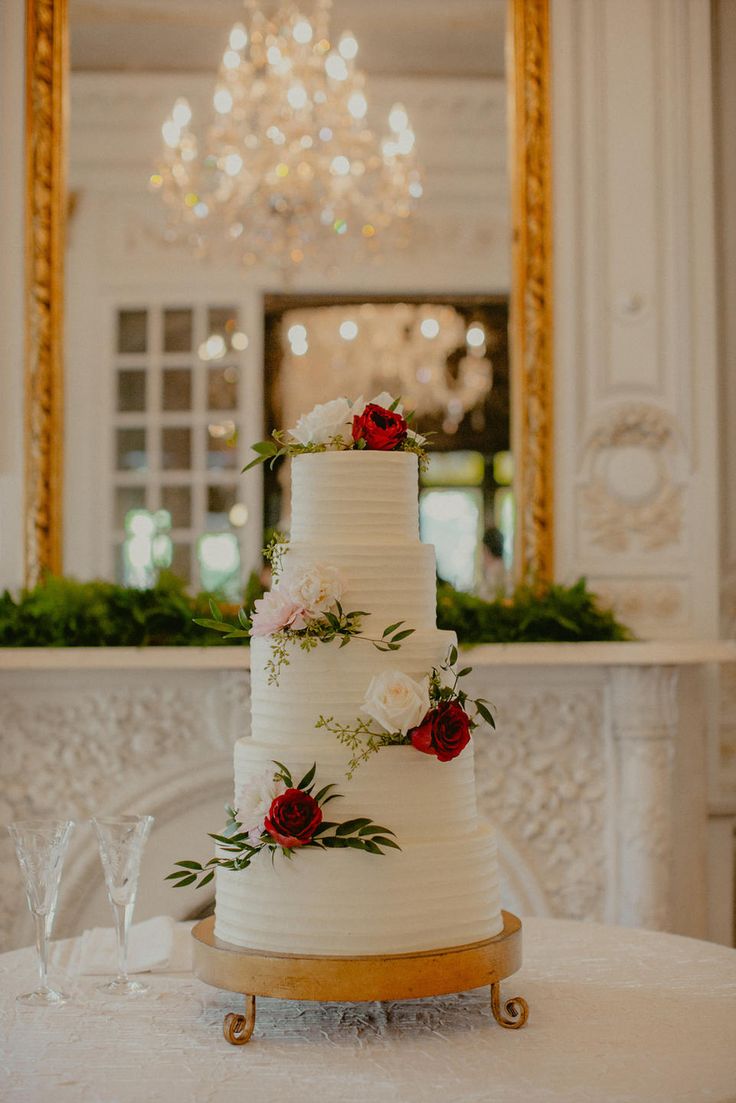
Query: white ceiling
point(450, 38)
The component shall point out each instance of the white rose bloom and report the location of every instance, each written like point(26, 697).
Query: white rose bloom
point(315, 588)
point(396, 701)
point(325, 421)
point(254, 800)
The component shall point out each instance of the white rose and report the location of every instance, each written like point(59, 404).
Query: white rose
point(313, 588)
point(254, 801)
point(396, 701)
point(325, 421)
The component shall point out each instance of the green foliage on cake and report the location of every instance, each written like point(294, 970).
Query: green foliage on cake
point(62, 612)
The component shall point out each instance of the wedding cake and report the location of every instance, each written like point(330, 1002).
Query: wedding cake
point(350, 682)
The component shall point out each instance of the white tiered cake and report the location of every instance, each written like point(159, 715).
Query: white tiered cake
point(357, 511)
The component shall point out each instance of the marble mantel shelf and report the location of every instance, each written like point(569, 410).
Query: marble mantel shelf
point(644, 653)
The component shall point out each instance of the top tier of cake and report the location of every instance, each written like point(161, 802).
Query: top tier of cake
point(354, 497)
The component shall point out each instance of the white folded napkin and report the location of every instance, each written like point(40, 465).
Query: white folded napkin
point(158, 945)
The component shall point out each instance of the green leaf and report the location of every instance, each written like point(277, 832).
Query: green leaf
point(381, 840)
point(485, 713)
point(215, 610)
point(376, 829)
point(189, 865)
point(371, 847)
point(324, 826)
point(392, 628)
point(217, 625)
point(285, 774)
point(324, 791)
point(334, 841)
point(186, 881)
point(265, 448)
point(465, 671)
point(402, 635)
point(206, 879)
point(452, 657)
point(350, 826)
point(396, 402)
point(308, 777)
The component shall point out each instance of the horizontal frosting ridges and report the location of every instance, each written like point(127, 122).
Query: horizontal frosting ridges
point(359, 497)
point(389, 581)
point(414, 795)
point(427, 896)
point(330, 681)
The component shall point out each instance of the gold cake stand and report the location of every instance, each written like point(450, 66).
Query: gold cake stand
point(353, 979)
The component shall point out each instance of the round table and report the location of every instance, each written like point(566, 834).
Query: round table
point(615, 1014)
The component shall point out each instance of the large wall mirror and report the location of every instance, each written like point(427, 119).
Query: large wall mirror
point(223, 234)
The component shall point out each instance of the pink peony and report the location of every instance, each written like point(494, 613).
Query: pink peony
point(274, 611)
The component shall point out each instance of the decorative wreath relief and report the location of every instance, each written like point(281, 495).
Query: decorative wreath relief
point(431, 715)
point(274, 814)
point(341, 425)
point(304, 609)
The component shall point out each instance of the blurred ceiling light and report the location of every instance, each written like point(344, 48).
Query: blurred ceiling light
point(280, 76)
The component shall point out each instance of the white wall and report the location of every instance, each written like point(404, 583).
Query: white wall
point(11, 291)
point(636, 473)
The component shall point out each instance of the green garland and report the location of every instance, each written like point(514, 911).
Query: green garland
point(61, 612)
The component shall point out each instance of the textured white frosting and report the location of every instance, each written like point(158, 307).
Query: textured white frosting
point(358, 511)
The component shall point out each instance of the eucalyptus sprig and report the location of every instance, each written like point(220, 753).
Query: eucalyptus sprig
point(360, 833)
point(332, 625)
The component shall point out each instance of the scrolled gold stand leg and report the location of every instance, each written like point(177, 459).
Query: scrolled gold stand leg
point(516, 1007)
point(238, 1028)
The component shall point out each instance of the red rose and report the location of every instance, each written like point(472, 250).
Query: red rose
point(293, 818)
point(381, 429)
point(444, 731)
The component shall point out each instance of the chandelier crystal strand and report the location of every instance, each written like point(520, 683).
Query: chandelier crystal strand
point(288, 167)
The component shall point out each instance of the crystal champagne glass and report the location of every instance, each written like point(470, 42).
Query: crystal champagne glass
point(121, 840)
point(40, 846)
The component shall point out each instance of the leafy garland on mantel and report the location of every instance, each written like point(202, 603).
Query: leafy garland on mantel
point(61, 612)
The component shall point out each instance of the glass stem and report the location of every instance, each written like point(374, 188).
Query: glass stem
point(123, 913)
point(41, 947)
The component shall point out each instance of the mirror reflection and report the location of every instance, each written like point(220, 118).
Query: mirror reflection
point(270, 206)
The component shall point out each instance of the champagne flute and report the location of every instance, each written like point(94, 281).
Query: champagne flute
point(40, 846)
point(121, 840)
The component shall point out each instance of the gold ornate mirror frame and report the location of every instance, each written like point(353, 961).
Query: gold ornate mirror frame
point(47, 78)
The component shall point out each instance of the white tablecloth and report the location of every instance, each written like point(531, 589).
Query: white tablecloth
point(614, 1015)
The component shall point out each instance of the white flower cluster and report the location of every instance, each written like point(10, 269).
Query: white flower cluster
point(303, 594)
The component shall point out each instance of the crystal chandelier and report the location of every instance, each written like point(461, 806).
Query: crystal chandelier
point(288, 167)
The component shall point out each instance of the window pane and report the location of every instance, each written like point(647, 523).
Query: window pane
point(221, 446)
point(131, 450)
point(177, 500)
point(177, 330)
point(131, 391)
point(127, 498)
point(222, 320)
point(176, 389)
point(132, 325)
point(220, 500)
point(176, 449)
point(222, 389)
point(181, 561)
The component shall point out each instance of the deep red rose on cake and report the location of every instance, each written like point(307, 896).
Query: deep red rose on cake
point(381, 429)
point(444, 732)
point(293, 818)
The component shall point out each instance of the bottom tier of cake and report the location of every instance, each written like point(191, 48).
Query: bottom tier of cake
point(429, 895)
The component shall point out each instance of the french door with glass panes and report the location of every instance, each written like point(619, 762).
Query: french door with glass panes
point(179, 413)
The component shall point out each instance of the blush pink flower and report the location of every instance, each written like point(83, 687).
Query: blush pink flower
point(274, 611)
